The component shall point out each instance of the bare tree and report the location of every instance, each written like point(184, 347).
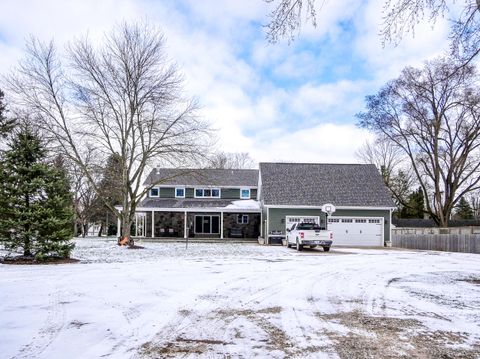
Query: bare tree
point(474, 199)
point(383, 154)
point(84, 194)
point(433, 115)
point(399, 17)
point(390, 161)
point(226, 160)
point(123, 97)
point(6, 123)
point(287, 17)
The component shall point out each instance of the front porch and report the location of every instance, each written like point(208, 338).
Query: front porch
point(197, 224)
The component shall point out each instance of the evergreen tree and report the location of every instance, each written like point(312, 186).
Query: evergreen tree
point(464, 210)
point(110, 186)
point(415, 207)
point(35, 201)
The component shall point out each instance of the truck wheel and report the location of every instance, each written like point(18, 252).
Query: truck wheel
point(299, 247)
point(326, 249)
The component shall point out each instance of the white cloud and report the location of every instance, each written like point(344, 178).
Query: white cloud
point(387, 62)
point(328, 143)
point(250, 90)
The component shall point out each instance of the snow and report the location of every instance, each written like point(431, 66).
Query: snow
point(235, 300)
point(244, 204)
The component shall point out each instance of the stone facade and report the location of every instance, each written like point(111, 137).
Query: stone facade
point(171, 224)
point(166, 224)
point(231, 227)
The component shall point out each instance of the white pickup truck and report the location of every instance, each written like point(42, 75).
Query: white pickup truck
point(309, 235)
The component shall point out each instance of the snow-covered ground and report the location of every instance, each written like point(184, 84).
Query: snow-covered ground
point(241, 301)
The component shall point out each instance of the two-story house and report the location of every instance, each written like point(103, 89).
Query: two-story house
point(219, 203)
point(213, 203)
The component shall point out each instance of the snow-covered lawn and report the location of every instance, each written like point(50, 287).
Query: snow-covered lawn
point(241, 301)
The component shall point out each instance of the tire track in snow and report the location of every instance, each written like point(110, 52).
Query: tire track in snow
point(50, 329)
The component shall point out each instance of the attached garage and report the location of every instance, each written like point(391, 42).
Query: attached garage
point(357, 231)
point(363, 203)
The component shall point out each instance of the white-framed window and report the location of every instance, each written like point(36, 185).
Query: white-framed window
point(155, 192)
point(242, 219)
point(179, 192)
point(207, 192)
point(244, 193)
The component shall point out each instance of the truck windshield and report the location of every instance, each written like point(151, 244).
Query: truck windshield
point(307, 226)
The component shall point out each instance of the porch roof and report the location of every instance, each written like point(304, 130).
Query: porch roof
point(201, 205)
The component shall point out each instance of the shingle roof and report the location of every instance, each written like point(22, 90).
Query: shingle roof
point(199, 203)
point(204, 177)
point(314, 184)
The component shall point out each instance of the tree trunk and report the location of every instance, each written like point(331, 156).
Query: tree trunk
point(26, 240)
point(127, 229)
point(84, 229)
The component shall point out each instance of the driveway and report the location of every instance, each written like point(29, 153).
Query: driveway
point(241, 301)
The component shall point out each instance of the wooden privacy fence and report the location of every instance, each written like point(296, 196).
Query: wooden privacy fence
point(466, 243)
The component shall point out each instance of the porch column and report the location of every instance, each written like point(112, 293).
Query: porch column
point(185, 225)
point(118, 227)
point(261, 224)
point(153, 223)
point(221, 225)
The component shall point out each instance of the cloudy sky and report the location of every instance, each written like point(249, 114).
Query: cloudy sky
point(283, 102)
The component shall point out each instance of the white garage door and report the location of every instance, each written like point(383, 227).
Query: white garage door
point(356, 231)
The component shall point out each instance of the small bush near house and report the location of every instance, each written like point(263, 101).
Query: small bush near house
point(36, 213)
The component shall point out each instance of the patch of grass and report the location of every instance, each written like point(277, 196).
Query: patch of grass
point(388, 337)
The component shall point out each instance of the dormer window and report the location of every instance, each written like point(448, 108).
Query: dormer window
point(207, 192)
point(245, 193)
point(154, 192)
point(179, 192)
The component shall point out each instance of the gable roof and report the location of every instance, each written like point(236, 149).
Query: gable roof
point(314, 184)
point(203, 177)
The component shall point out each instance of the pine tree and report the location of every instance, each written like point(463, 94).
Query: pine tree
point(35, 201)
point(415, 205)
point(110, 190)
point(464, 210)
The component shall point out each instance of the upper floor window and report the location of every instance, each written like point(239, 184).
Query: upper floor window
point(245, 193)
point(154, 192)
point(179, 192)
point(207, 193)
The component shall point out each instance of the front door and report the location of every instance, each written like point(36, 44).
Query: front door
point(207, 224)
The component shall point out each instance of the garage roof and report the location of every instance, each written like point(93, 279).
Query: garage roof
point(314, 184)
point(203, 177)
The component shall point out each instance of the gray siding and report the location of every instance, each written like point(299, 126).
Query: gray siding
point(230, 193)
point(189, 193)
point(276, 220)
point(167, 192)
point(368, 213)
